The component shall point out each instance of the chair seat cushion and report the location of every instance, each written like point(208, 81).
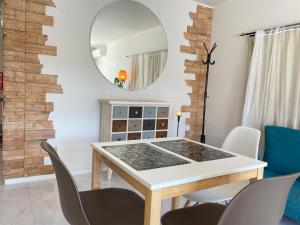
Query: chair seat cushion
point(217, 194)
point(282, 150)
point(113, 206)
point(270, 174)
point(205, 214)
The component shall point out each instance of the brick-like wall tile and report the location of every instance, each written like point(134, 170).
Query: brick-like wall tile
point(26, 112)
point(196, 35)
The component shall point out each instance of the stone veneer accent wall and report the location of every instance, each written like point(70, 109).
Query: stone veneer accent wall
point(196, 35)
point(25, 111)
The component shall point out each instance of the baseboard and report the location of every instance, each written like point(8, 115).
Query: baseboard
point(25, 180)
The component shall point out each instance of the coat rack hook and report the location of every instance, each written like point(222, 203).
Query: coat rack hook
point(213, 48)
point(208, 62)
point(204, 62)
point(205, 48)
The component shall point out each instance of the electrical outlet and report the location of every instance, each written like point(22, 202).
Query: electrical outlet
point(47, 161)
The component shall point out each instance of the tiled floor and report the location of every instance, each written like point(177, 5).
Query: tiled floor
point(38, 203)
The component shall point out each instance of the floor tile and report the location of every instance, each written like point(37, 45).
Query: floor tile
point(15, 194)
point(48, 213)
point(14, 213)
point(38, 203)
point(39, 192)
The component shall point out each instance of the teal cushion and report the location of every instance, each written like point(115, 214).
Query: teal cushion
point(282, 150)
point(270, 174)
point(292, 209)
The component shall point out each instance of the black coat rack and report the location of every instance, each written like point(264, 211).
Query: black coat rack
point(207, 63)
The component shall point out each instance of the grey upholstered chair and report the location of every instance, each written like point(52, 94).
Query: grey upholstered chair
point(260, 203)
point(110, 206)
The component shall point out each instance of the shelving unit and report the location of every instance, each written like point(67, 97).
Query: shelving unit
point(126, 120)
point(133, 120)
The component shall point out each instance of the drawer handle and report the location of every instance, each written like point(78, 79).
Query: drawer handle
point(163, 124)
point(136, 112)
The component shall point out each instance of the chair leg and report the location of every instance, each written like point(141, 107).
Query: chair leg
point(187, 203)
point(109, 174)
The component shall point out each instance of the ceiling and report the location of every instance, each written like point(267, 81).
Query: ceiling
point(121, 19)
point(214, 3)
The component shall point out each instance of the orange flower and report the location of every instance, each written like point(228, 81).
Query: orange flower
point(122, 75)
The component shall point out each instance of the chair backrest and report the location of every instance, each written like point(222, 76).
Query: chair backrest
point(244, 141)
point(282, 149)
point(68, 192)
point(260, 203)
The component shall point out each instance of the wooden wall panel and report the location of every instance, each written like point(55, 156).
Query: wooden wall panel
point(196, 35)
point(26, 112)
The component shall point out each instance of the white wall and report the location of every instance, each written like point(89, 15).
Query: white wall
point(77, 116)
point(150, 40)
point(228, 78)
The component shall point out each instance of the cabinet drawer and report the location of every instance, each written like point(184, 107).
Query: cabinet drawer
point(134, 125)
point(135, 112)
point(148, 135)
point(118, 137)
point(163, 112)
point(120, 112)
point(161, 134)
point(149, 125)
point(150, 112)
point(119, 126)
point(134, 136)
point(161, 124)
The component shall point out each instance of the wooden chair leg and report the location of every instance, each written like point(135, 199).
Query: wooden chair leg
point(187, 203)
point(109, 174)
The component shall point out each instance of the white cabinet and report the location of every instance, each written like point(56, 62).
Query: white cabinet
point(133, 120)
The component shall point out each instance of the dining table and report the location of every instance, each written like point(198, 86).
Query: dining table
point(169, 168)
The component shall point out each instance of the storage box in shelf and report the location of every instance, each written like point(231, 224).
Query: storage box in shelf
point(115, 115)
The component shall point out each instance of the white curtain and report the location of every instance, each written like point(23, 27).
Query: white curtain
point(145, 69)
point(273, 91)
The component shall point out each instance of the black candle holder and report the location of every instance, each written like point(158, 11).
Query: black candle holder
point(178, 123)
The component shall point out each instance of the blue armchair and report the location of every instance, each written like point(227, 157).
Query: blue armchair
point(282, 152)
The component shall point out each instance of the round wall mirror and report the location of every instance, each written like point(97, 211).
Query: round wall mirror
point(129, 44)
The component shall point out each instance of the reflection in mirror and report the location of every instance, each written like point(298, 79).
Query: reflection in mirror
point(129, 44)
